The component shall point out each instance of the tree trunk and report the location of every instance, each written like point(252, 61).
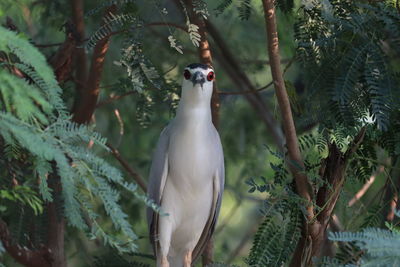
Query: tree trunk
point(80, 55)
point(91, 90)
point(56, 225)
point(332, 169)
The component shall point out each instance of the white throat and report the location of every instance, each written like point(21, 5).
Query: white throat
point(195, 104)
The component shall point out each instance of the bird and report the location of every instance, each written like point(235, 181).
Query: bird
point(187, 175)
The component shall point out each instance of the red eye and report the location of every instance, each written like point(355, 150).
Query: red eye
point(210, 76)
point(187, 74)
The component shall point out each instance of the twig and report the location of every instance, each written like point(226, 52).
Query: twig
point(168, 24)
point(259, 89)
point(365, 187)
point(113, 98)
point(247, 91)
point(46, 45)
point(136, 176)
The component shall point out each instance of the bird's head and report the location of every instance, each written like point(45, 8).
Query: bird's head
point(198, 81)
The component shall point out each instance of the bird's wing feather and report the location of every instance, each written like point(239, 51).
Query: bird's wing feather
point(157, 179)
point(218, 189)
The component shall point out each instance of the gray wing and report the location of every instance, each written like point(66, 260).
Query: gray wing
point(157, 179)
point(218, 190)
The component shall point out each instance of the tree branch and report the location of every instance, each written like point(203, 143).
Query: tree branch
point(90, 93)
point(167, 24)
point(365, 187)
point(233, 69)
point(259, 89)
point(114, 98)
point(136, 176)
point(302, 184)
point(28, 257)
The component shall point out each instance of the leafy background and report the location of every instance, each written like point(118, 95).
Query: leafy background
point(342, 62)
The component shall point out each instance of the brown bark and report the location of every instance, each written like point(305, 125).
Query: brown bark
point(61, 61)
point(56, 225)
point(29, 257)
point(302, 185)
point(80, 58)
point(332, 170)
point(87, 103)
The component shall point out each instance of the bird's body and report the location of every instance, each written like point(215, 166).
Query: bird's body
point(186, 179)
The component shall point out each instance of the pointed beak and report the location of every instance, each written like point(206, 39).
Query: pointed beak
point(198, 78)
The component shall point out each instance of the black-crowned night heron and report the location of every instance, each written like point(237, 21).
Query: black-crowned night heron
point(187, 175)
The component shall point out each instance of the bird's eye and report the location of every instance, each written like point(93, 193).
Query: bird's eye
point(187, 74)
point(210, 76)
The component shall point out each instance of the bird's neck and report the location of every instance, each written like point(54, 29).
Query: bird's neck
point(196, 112)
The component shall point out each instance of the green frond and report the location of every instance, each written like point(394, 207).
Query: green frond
point(200, 7)
point(16, 92)
point(244, 9)
point(276, 237)
point(286, 6)
point(222, 6)
point(112, 22)
point(51, 91)
point(105, 4)
point(345, 85)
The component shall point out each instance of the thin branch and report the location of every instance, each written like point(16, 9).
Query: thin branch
point(261, 61)
point(167, 24)
point(136, 176)
point(114, 98)
point(247, 91)
point(46, 45)
point(365, 187)
point(239, 78)
point(290, 62)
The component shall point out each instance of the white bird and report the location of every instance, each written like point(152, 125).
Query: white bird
point(187, 175)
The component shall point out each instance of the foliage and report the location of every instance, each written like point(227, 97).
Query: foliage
point(42, 145)
point(378, 247)
point(347, 57)
point(341, 45)
point(276, 237)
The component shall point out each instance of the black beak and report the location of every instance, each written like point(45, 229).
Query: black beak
point(198, 78)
